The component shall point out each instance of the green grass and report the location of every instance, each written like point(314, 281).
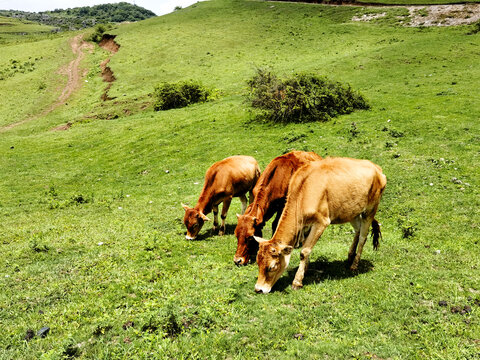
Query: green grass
point(88, 268)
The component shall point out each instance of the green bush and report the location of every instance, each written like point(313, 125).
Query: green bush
point(98, 32)
point(302, 98)
point(178, 95)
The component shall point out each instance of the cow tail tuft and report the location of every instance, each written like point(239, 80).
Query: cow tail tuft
point(376, 234)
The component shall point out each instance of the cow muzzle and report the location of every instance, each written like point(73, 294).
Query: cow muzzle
point(188, 237)
point(262, 289)
point(239, 261)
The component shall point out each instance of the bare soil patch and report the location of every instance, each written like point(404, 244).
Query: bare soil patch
point(108, 43)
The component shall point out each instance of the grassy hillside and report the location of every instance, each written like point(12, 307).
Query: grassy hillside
point(92, 235)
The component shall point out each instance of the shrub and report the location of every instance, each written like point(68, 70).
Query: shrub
point(98, 32)
point(178, 95)
point(302, 97)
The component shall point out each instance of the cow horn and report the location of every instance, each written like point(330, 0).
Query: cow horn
point(185, 206)
point(259, 239)
point(204, 217)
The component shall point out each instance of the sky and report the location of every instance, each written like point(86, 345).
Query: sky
point(159, 7)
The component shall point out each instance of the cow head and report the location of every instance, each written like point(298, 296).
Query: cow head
point(272, 260)
point(193, 220)
point(246, 244)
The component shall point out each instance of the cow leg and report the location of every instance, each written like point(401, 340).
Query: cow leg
point(243, 199)
point(215, 217)
point(226, 205)
point(364, 228)
point(356, 223)
point(315, 233)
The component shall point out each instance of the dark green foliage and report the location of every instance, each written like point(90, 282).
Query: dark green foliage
point(98, 33)
point(475, 28)
point(87, 16)
point(302, 97)
point(178, 95)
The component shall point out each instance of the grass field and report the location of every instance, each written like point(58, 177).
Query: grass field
point(92, 235)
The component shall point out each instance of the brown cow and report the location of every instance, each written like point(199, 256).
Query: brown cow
point(329, 191)
point(269, 194)
point(228, 178)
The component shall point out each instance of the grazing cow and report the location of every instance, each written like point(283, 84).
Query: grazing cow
point(329, 191)
point(228, 178)
point(269, 194)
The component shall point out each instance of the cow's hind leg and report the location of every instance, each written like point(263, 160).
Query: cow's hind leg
point(226, 205)
point(315, 233)
point(243, 199)
point(356, 223)
point(364, 228)
point(215, 217)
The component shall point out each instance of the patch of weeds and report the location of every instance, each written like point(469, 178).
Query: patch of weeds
point(395, 133)
point(15, 67)
point(36, 245)
point(475, 28)
point(294, 136)
point(171, 327)
point(178, 95)
point(54, 202)
point(407, 226)
point(353, 131)
point(301, 98)
point(102, 329)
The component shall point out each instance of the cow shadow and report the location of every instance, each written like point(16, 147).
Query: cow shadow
point(321, 270)
point(207, 234)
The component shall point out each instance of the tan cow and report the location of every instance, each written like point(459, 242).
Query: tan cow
point(228, 178)
point(269, 194)
point(329, 191)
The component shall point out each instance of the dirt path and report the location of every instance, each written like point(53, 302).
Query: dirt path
point(74, 73)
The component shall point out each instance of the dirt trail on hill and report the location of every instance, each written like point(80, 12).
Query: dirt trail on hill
point(74, 73)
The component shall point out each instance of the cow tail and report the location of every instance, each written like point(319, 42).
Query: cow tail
point(376, 234)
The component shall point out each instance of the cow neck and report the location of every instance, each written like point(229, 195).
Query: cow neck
point(288, 228)
point(256, 211)
point(204, 204)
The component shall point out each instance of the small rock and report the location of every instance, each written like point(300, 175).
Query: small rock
point(100, 243)
point(127, 340)
point(43, 331)
point(431, 184)
point(41, 312)
point(413, 332)
point(29, 335)
point(437, 252)
point(298, 336)
point(12, 147)
point(442, 303)
point(466, 309)
point(167, 171)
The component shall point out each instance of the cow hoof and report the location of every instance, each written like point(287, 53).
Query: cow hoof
point(297, 286)
point(221, 233)
point(354, 269)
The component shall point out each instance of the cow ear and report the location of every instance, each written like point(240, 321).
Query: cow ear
point(204, 218)
point(285, 249)
point(259, 239)
point(185, 206)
